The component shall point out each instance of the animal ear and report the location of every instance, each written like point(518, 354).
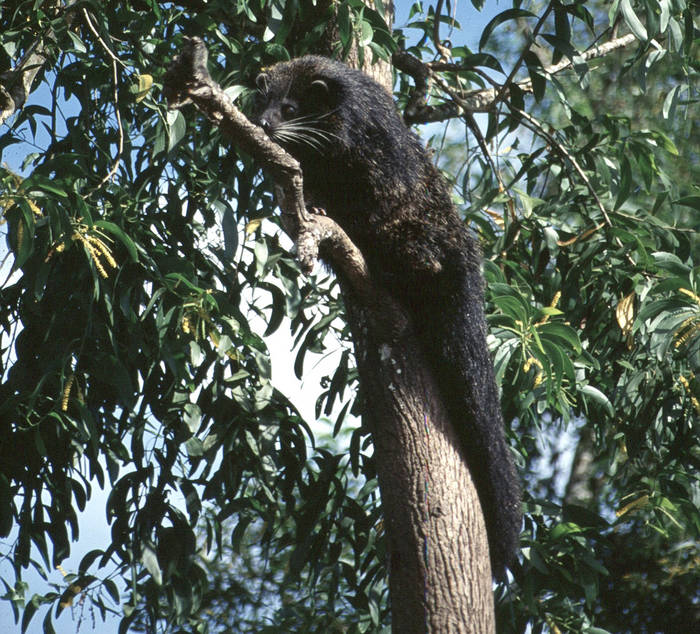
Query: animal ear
point(262, 81)
point(323, 93)
point(319, 88)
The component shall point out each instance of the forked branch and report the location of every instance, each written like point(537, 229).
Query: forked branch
point(188, 81)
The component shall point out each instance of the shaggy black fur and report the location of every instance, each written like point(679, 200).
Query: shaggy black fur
point(374, 177)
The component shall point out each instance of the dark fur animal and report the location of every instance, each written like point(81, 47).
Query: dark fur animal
point(373, 176)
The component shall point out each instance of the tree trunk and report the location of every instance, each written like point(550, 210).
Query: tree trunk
point(437, 548)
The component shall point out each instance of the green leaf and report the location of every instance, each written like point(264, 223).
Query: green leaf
point(562, 332)
point(509, 14)
point(633, 22)
point(344, 25)
point(150, 561)
point(112, 590)
point(89, 559)
point(118, 233)
point(6, 509)
point(230, 231)
point(671, 262)
point(30, 611)
point(192, 416)
point(366, 34)
point(563, 529)
point(78, 44)
point(47, 624)
point(625, 182)
point(21, 232)
point(261, 256)
point(194, 447)
point(177, 128)
point(598, 397)
point(689, 201)
point(39, 183)
point(534, 66)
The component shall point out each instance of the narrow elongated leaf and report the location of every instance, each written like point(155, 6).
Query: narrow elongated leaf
point(505, 16)
point(150, 561)
point(633, 22)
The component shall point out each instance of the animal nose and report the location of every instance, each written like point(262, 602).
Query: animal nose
point(265, 125)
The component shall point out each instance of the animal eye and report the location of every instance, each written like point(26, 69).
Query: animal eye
point(288, 110)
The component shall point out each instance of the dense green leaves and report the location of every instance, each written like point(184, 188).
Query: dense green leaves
point(144, 275)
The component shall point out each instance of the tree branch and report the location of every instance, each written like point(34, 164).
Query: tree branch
point(484, 100)
point(188, 81)
point(16, 84)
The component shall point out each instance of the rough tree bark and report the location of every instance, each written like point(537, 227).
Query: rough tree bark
point(440, 576)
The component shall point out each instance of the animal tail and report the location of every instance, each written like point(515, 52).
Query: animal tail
point(464, 371)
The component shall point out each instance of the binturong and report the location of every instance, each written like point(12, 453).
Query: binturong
point(372, 175)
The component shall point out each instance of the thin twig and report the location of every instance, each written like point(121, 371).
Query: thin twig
point(115, 96)
point(518, 63)
point(444, 51)
point(538, 128)
point(104, 45)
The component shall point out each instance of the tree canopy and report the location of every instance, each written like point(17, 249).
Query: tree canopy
point(145, 272)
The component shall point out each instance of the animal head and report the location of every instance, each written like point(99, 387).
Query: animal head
point(296, 103)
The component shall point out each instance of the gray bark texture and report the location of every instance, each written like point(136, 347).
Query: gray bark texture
point(439, 569)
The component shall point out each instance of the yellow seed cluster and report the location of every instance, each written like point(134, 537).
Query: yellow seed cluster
point(66, 394)
point(97, 249)
point(538, 364)
point(686, 385)
point(689, 328)
point(13, 192)
point(95, 245)
point(187, 325)
point(634, 504)
point(552, 304)
point(689, 293)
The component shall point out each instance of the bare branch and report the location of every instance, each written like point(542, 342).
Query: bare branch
point(188, 81)
point(599, 50)
point(483, 100)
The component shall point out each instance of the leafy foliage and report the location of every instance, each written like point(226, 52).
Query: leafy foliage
point(145, 270)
